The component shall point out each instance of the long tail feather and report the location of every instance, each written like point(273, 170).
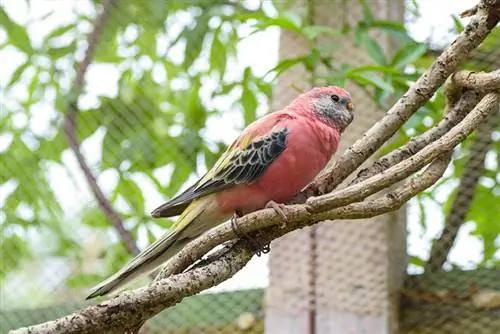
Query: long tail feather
point(152, 257)
point(159, 251)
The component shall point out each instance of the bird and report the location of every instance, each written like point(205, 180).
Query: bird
point(272, 159)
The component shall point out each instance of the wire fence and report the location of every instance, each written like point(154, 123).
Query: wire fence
point(170, 86)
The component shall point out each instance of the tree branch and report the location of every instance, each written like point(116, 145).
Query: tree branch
point(465, 194)
point(487, 81)
point(450, 119)
point(70, 130)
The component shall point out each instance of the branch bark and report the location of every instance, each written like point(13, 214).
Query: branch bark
point(70, 130)
point(486, 81)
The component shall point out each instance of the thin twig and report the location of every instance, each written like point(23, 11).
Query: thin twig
point(70, 130)
point(465, 194)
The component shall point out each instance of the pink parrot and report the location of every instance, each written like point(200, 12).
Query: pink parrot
point(271, 161)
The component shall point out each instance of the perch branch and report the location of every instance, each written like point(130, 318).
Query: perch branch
point(133, 307)
point(70, 130)
point(485, 81)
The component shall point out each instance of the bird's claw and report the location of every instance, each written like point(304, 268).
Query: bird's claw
point(256, 246)
point(278, 207)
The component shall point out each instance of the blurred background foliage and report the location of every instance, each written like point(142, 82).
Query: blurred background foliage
point(177, 77)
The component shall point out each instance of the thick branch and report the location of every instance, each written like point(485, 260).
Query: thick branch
point(485, 81)
point(465, 194)
point(419, 93)
point(70, 130)
point(117, 314)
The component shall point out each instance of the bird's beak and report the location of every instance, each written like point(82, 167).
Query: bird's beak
point(350, 106)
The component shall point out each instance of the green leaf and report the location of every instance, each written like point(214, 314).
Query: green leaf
point(286, 64)
point(17, 73)
point(218, 57)
point(194, 40)
point(374, 68)
point(459, 27)
point(417, 261)
point(132, 194)
point(485, 212)
point(56, 53)
point(60, 31)
point(151, 236)
point(18, 35)
point(392, 28)
point(265, 88)
point(367, 12)
point(179, 177)
point(95, 218)
point(249, 103)
point(14, 251)
point(311, 32)
point(370, 79)
point(408, 54)
point(288, 20)
point(34, 84)
point(374, 50)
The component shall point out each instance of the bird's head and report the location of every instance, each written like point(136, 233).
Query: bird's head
point(332, 105)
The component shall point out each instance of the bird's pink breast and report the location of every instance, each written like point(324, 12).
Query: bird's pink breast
point(310, 145)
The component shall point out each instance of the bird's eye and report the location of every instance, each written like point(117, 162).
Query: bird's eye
point(335, 98)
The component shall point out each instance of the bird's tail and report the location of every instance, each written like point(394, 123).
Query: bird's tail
point(154, 255)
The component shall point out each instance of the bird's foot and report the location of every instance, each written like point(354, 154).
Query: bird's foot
point(278, 207)
point(254, 244)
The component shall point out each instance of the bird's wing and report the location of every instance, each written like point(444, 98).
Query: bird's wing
point(242, 163)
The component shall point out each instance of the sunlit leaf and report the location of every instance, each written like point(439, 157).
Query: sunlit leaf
point(218, 57)
point(312, 32)
point(18, 36)
point(249, 103)
point(371, 79)
point(408, 53)
point(18, 72)
point(60, 31)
